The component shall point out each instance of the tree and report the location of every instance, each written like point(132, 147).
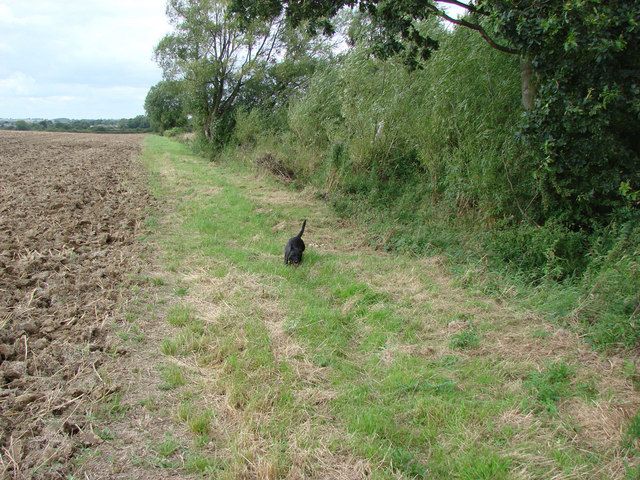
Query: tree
point(139, 122)
point(586, 56)
point(22, 125)
point(396, 23)
point(271, 89)
point(165, 106)
point(214, 58)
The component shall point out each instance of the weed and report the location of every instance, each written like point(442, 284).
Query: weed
point(200, 464)
point(630, 370)
point(149, 403)
point(113, 406)
point(185, 410)
point(105, 434)
point(180, 315)
point(200, 423)
point(540, 333)
point(632, 435)
point(167, 447)
point(202, 441)
point(169, 347)
point(181, 291)
point(133, 334)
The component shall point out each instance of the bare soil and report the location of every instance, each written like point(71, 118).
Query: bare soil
point(71, 206)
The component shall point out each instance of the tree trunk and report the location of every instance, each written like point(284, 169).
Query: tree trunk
point(207, 127)
point(528, 83)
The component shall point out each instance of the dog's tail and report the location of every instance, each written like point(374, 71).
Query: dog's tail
point(302, 231)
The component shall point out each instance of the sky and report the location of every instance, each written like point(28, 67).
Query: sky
point(78, 58)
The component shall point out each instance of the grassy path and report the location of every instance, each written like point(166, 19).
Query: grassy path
point(358, 364)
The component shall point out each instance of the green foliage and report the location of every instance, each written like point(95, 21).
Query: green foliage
point(387, 132)
point(610, 308)
point(139, 123)
point(165, 106)
point(167, 447)
point(213, 57)
point(552, 252)
point(172, 377)
point(632, 436)
point(586, 55)
point(199, 464)
point(180, 316)
point(317, 115)
point(175, 132)
point(250, 126)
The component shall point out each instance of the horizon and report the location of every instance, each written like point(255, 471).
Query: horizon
point(40, 119)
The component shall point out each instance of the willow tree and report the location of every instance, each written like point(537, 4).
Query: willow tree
point(214, 58)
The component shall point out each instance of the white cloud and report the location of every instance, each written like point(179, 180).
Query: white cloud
point(17, 84)
point(8, 17)
point(78, 58)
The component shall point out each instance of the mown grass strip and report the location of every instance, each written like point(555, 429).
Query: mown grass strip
point(409, 415)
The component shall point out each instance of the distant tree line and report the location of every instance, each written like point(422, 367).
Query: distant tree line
point(139, 123)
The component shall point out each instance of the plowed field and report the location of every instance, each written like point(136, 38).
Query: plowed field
point(70, 208)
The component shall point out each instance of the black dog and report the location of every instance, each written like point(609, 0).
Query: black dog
point(295, 247)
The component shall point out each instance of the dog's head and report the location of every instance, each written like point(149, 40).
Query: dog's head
point(295, 257)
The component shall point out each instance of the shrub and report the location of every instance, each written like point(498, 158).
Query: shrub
point(552, 252)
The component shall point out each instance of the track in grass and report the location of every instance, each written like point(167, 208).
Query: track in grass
point(357, 364)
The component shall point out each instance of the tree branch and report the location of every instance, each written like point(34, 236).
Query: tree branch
point(466, 6)
point(477, 28)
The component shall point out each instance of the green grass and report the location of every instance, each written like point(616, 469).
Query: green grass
point(201, 424)
point(337, 353)
point(167, 447)
point(551, 385)
point(468, 338)
point(172, 377)
point(200, 464)
point(113, 407)
point(133, 334)
point(181, 291)
point(180, 315)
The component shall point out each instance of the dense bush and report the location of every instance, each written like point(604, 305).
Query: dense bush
point(165, 106)
point(451, 128)
point(586, 54)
